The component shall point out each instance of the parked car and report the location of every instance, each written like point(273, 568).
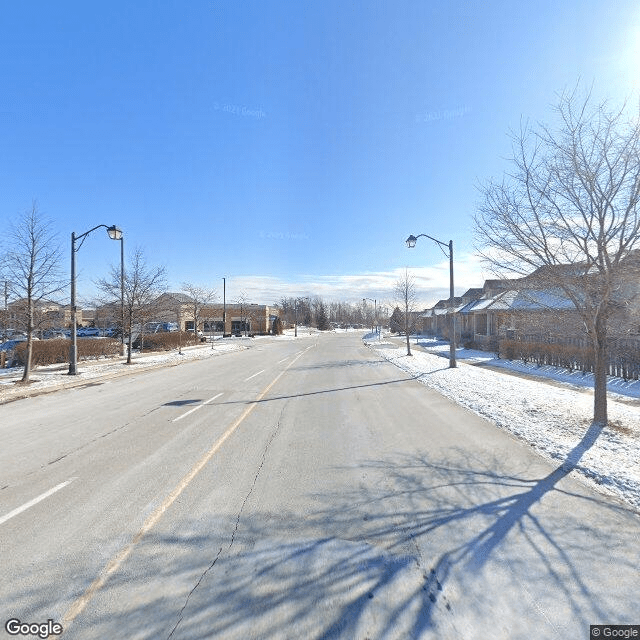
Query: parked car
point(160, 327)
point(9, 348)
point(16, 335)
point(86, 332)
point(10, 344)
point(53, 333)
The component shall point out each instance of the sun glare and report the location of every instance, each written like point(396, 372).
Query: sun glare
point(630, 56)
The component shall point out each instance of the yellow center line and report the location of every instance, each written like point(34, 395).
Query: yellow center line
point(79, 605)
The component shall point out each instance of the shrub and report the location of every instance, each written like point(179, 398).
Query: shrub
point(169, 340)
point(507, 349)
point(277, 329)
point(57, 350)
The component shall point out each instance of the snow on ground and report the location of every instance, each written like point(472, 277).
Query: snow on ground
point(553, 416)
point(54, 376)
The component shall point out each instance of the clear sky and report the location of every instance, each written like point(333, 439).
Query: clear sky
point(288, 146)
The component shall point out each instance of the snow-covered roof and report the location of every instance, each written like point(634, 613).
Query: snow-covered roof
point(470, 306)
point(480, 305)
point(532, 300)
point(522, 300)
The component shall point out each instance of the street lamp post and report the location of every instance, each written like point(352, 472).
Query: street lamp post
point(375, 312)
point(121, 288)
point(114, 234)
point(224, 307)
point(411, 242)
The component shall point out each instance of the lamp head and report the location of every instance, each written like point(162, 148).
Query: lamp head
point(411, 241)
point(114, 232)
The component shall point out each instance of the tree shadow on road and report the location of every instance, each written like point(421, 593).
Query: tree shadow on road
point(414, 551)
point(469, 518)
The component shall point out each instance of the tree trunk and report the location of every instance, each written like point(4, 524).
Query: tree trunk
point(27, 358)
point(130, 342)
point(29, 350)
point(600, 357)
point(406, 331)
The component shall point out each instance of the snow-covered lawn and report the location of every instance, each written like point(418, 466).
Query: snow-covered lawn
point(55, 376)
point(553, 416)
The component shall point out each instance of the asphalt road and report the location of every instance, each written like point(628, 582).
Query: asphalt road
point(298, 489)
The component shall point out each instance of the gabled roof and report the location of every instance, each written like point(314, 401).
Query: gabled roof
point(470, 306)
point(497, 284)
point(523, 300)
point(182, 298)
point(473, 293)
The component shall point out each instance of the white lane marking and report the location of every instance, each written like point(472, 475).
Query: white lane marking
point(254, 375)
point(29, 504)
point(114, 564)
point(184, 415)
point(283, 359)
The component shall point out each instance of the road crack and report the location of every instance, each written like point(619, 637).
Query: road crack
point(235, 529)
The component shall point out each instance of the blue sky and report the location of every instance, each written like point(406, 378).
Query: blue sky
point(290, 147)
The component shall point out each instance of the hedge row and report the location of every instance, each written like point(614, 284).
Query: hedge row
point(57, 350)
point(624, 362)
point(168, 340)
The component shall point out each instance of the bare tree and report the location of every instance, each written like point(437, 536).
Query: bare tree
point(243, 302)
point(200, 298)
point(142, 286)
point(32, 266)
point(405, 294)
point(568, 211)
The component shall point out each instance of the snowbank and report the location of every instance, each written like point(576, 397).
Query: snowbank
point(552, 416)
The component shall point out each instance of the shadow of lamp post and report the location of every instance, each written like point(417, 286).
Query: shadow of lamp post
point(411, 242)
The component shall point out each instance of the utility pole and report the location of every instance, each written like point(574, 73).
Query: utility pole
point(224, 306)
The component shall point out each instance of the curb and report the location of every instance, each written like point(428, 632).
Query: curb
point(16, 393)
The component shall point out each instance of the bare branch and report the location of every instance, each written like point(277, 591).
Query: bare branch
point(568, 212)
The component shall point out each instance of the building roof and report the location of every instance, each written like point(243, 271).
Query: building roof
point(523, 300)
point(182, 298)
point(475, 293)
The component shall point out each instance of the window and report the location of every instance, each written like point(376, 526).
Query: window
point(481, 323)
